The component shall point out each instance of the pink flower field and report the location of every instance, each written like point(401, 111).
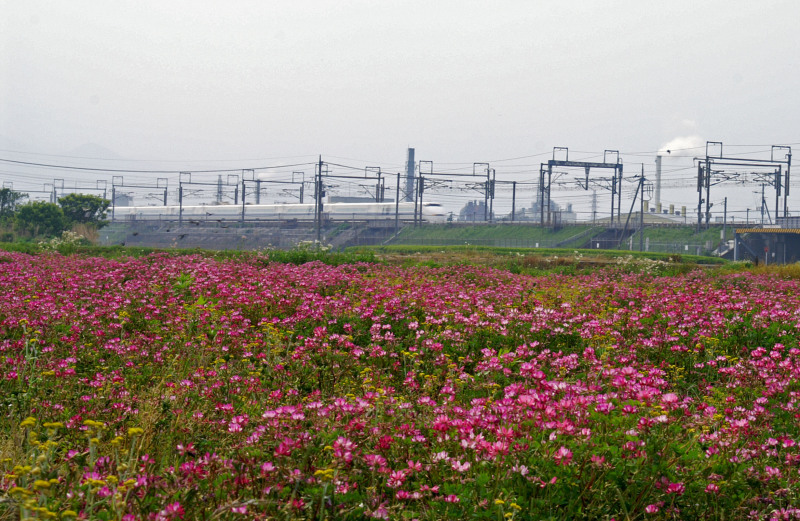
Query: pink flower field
point(183, 387)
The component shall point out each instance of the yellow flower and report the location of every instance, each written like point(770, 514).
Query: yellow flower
point(30, 421)
point(40, 483)
point(133, 431)
point(499, 502)
point(69, 513)
point(53, 425)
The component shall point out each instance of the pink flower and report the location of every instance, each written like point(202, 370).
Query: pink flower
point(396, 479)
point(669, 399)
point(460, 467)
point(598, 460)
point(563, 456)
point(375, 460)
point(380, 512)
point(343, 449)
point(604, 407)
point(184, 449)
point(654, 508)
point(171, 511)
point(712, 488)
point(676, 488)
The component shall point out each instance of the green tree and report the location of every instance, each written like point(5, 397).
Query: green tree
point(38, 218)
point(9, 200)
point(82, 208)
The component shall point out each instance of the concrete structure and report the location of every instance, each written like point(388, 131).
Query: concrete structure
point(767, 245)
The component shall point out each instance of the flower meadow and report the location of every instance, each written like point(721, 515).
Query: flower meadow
point(183, 387)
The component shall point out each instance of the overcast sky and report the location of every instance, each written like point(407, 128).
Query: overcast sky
point(196, 83)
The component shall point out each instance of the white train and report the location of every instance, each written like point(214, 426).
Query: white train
point(431, 212)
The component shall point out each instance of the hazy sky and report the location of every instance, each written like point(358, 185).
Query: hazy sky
point(198, 83)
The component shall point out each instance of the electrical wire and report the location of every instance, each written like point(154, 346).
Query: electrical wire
point(133, 171)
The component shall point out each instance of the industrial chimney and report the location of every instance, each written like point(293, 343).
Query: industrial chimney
point(658, 184)
point(410, 167)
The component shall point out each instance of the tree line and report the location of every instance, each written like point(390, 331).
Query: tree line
point(22, 219)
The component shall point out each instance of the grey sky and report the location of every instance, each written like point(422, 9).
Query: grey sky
point(193, 81)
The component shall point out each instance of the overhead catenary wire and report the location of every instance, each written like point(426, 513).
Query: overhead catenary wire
point(518, 168)
point(136, 171)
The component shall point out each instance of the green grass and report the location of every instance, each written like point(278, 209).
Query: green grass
point(528, 236)
point(564, 253)
point(295, 256)
point(686, 234)
point(503, 235)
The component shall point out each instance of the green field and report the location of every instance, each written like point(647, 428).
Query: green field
point(665, 239)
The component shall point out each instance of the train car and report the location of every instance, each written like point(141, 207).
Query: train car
point(431, 212)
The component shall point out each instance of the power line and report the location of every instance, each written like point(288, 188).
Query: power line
point(132, 171)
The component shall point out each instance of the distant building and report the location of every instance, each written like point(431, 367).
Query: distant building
point(123, 200)
point(534, 213)
point(474, 211)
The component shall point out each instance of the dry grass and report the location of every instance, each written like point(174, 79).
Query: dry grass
point(87, 231)
point(786, 271)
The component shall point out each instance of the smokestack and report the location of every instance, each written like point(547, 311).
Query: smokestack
point(658, 181)
point(410, 167)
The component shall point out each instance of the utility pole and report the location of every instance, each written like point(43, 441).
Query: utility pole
point(421, 192)
point(243, 198)
point(777, 192)
point(416, 199)
point(724, 220)
point(708, 193)
point(318, 194)
point(180, 203)
point(397, 207)
point(641, 211)
point(486, 197)
point(699, 197)
point(491, 195)
point(513, 199)
point(594, 206)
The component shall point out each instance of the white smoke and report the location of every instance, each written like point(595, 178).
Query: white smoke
point(684, 146)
